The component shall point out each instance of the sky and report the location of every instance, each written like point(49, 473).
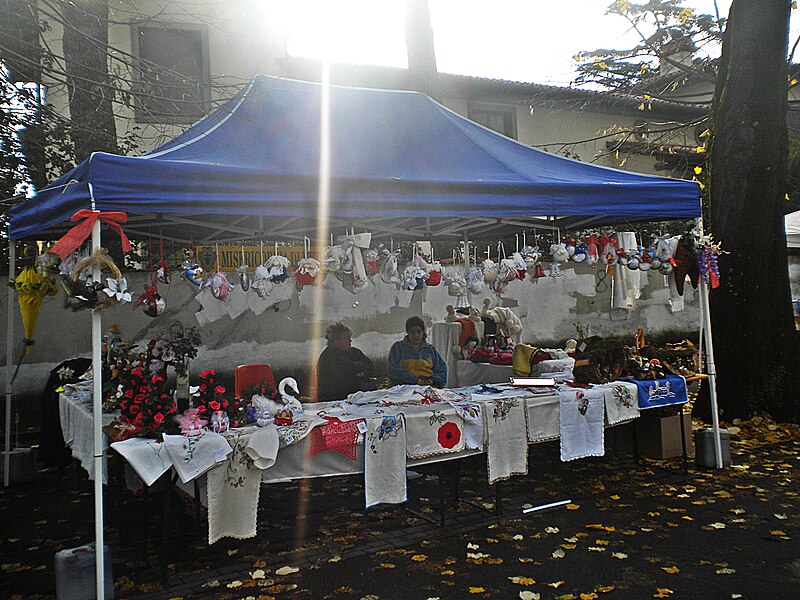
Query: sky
point(520, 40)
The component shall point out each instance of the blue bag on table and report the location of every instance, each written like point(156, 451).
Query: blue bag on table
point(660, 392)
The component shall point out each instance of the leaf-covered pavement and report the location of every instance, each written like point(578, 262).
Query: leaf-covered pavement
point(630, 532)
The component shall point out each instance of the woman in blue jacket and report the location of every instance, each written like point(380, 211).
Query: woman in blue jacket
point(413, 360)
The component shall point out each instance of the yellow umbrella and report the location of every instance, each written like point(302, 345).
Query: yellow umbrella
point(32, 287)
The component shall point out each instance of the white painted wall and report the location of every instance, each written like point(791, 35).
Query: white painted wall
point(548, 308)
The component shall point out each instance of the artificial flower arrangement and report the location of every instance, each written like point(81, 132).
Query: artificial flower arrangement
point(144, 399)
point(140, 388)
point(211, 402)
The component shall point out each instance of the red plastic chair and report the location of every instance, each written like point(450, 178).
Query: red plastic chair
point(253, 374)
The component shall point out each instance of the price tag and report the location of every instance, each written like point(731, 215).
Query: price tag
point(362, 427)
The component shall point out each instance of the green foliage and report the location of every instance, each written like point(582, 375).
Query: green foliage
point(666, 29)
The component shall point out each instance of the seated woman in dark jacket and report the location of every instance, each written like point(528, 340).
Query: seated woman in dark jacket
point(342, 369)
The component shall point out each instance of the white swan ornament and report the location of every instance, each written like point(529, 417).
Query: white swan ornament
point(290, 401)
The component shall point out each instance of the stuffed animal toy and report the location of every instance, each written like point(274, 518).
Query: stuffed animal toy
point(474, 279)
point(451, 314)
point(559, 253)
point(508, 323)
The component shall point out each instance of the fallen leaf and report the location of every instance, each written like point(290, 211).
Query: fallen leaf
point(777, 532)
point(781, 516)
point(559, 553)
point(605, 589)
point(726, 571)
point(564, 597)
point(518, 537)
point(286, 570)
point(386, 566)
point(551, 529)
point(235, 584)
point(596, 549)
point(419, 558)
point(662, 593)
point(556, 584)
point(526, 559)
point(717, 525)
point(232, 552)
point(620, 555)
point(591, 596)
point(572, 506)
point(476, 590)
point(492, 540)
point(448, 572)
point(614, 497)
point(528, 595)
point(335, 558)
point(257, 574)
point(259, 564)
point(522, 580)
point(473, 546)
point(671, 570)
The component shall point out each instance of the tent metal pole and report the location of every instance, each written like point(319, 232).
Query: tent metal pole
point(97, 411)
point(705, 318)
point(12, 259)
point(712, 371)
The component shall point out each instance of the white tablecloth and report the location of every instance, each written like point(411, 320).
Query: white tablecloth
point(467, 373)
point(77, 424)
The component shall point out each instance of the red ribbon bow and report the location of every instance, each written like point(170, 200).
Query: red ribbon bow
point(78, 234)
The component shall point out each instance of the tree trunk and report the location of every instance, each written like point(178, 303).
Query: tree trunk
point(754, 338)
point(85, 45)
point(21, 54)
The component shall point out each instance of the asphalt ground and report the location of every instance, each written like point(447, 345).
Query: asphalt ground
point(631, 531)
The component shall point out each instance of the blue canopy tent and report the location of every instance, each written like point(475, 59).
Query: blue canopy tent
point(395, 156)
point(400, 165)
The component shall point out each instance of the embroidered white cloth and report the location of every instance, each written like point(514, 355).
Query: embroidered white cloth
point(506, 436)
point(385, 461)
point(433, 429)
point(263, 446)
point(472, 415)
point(147, 457)
point(542, 417)
point(621, 402)
point(301, 426)
point(581, 414)
point(193, 456)
point(233, 489)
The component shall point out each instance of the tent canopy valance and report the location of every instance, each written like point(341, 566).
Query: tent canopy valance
point(400, 164)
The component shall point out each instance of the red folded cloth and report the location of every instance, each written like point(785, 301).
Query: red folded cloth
point(336, 435)
point(482, 355)
point(503, 358)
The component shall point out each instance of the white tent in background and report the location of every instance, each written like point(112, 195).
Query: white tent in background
point(792, 222)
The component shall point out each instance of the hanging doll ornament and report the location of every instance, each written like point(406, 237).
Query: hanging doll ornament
point(388, 268)
point(560, 256)
point(489, 268)
point(244, 276)
point(570, 245)
point(278, 267)
point(218, 283)
point(592, 250)
point(416, 273)
point(192, 272)
point(474, 280)
point(150, 300)
point(353, 273)
point(455, 282)
point(581, 253)
point(371, 261)
point(608, 254)
point(307, 271)
point(262, 284)
point(307, 268)
point(163, 274)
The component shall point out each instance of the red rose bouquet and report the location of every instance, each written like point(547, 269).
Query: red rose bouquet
point(211, 395)
point(145, 401)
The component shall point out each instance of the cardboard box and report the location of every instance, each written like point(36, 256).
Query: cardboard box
point(658, 435)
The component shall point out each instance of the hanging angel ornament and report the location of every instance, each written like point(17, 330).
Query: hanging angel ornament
point(307, 271)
